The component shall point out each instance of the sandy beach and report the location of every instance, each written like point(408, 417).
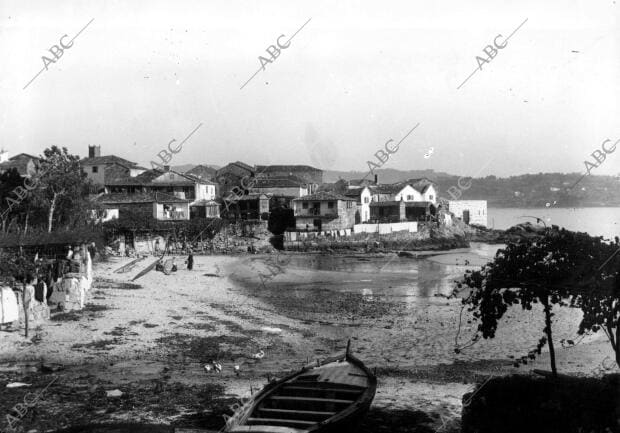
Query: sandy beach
point(151, 340)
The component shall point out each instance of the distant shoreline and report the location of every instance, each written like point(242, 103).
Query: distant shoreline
point(492, 206)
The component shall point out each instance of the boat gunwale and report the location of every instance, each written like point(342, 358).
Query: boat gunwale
point(365, 398)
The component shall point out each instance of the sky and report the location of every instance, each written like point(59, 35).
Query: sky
point(356, 75)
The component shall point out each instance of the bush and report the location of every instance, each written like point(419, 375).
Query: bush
point(526, 404)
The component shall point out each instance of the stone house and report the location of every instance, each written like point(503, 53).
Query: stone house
point(325, 211)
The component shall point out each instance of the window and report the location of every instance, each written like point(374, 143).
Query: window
point(304, 205)
point(349, 204)
point(409, 197)
point(366, 199)
point(330, 205)
point(430, 196)
point(95, 169)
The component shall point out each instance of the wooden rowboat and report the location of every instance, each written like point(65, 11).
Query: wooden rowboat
point(328, 396)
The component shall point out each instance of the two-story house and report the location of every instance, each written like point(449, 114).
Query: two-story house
point(363, 198)
point(234, 176)
point(161, 206)
point(324, 211)
point(199, 193)
point(99, 169)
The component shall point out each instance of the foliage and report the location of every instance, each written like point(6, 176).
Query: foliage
point(9, 181)
point(280, 219)
point(62, 187)
point(559, 268)
point(16, 266)
point(139, 220)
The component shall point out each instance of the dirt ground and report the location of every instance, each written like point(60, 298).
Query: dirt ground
point(151, 340)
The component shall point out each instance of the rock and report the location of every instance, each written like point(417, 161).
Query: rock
point(408, 254)
point(17, 385)
point(51, 368)
point(115, 393)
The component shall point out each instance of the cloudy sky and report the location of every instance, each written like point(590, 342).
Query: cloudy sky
point(357, 75)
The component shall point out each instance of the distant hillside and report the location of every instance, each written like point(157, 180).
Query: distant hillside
point(536, 190)
point(527, 190)
point(386, 175)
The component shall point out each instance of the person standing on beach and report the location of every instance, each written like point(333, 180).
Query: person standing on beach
point(190, 261)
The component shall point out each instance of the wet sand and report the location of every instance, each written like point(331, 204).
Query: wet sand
point(152, 341)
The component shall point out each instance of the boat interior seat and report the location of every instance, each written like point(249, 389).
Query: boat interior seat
point(266, 429)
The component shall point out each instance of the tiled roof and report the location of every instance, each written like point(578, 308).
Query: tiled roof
point(278, 182)
point(324, 196)
point(202, 172)
point(108, 159)
point(397, 203)
point(149, 197)
point(204, 202)
point(289, 168)
point(20, 162)
point(355, 192)
point(393, 188)
point(147, 179)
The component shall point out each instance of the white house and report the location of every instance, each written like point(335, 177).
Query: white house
point(469, 211)
point(395, 192)
point(363, 196)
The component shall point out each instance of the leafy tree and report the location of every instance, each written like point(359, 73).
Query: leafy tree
point(62, 185)
point(9, 181)
point(559, 268)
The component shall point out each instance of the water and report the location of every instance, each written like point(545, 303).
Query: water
point(395, 309)
point(596, 221)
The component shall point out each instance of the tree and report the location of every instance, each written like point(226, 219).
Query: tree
point(62, 186)
point(9, 181)
point(560, 268)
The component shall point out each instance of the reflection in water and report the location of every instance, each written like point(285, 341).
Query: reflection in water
point(397, 279)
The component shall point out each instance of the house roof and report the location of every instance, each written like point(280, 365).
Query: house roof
point(288, 168)
point(240, 164)
point(202, 172)
point(324, 196)
point(108, 159)
point(204, 202)
point(355, 192)
point(391, 188)
point(149, 197)
point(19, 162)
point(251, 196)
point(360, 182)
point(421, 184)
point(397, 203)
point(148, 179)
point(278, 182)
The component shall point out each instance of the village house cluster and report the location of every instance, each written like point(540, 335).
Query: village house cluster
point(239, 191)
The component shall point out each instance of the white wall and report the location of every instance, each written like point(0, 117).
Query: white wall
point(477, 210)
point(158, 210)
point(409, 193)
point(430, 195)
point(410, 226)
point(366, 198)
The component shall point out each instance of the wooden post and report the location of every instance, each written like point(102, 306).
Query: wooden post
point(25, 307)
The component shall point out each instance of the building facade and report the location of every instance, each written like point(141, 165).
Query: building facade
point(469, 211)
point(325, 211)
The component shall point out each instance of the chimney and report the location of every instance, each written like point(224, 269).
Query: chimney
point(94, 151)
point(376, 178)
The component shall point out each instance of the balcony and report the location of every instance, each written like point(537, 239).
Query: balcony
point(172, 216)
